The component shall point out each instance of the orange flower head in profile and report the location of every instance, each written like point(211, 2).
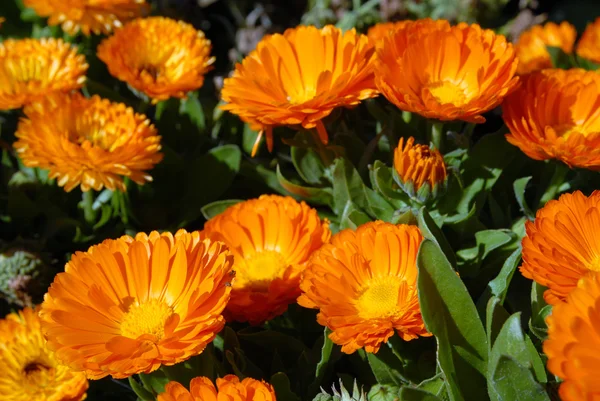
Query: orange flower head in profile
point(573, 338)
point(563, 244)
point(419, 170)
point(272, 238)
point(532, 46)
point(89, 142)
point(86, 16)
point(29, 371)
point(230, 388)
point(298, 78)
point(445, 72)
point(158, 56)
point(379, 31)
point(555, 115)
point(31, 69)
point(364, 284)
point(130, 305)
point(588, 46)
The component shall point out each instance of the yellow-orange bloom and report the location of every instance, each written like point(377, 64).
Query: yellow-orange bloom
point(98, 16)
point(364, 284)
point(563, 244)
point(88, 142)
point(573, 341)
point(588, 46)
point(443, 72)
point(31, 69)
point(299, 78)
point(420, 169)
point(29, 371)
point(555, 114)
point(379, 31)
point(158, 56)
point(129, 305)
point(230, 388)
point(272, 238)
point(531, 48)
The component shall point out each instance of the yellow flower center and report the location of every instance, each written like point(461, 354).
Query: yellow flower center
point(38, 375)
point(147, 318)
point(380, 299)
point(303, 95)
point(446, 92)
point(260, 270)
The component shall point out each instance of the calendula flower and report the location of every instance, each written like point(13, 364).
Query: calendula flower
point(379, 31)
point(532, 46)
point(97, 16)
point(31, 69)
point(230, 388)
point(573, 339)
point(271, 238)
point(555, 115)
point(420, 170)
point(563, 244)
point(298, 78)
point(158, 56)
point(445, 72)
point(129, 305)
point(89, 142)
point(588, 46)
point(364, 284)
point(29, 371)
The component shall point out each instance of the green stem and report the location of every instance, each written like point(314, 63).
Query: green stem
point(437, 135)
point(87, 203)
point(556, 182)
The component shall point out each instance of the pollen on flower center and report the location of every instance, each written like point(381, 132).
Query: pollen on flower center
point(303, 95)
point(446, 92)
point(37, 374)
point(147, 318)
point(380, 299)
point(262, 268)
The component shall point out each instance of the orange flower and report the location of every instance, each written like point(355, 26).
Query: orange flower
point(31, 69)
point(29, 371)
point(573, 341)
point(563, 244)
point(129, 305)
point(230, 389)
point(589, 44)
point(365, 286)
point(531, 48)
point(420, 170)
point(377, 32)
point(555, 114)
point(299, 78)
point(443, 72)
point(98, 16)
point(272, 238)
point(88, 142)
point(158, 56)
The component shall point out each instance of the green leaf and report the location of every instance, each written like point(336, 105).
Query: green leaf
point(519, 188)
point(383, 392)
point(209, 176)
point(352, 217)
point(154, 382)
point(349, 186)
point(192, 108)
point(317, 195)
point(432, 232)
point(415, 394)
point(383, 182)
point(214, 208)
point(499, 286)
point(140, 391)
point(386, 367)
point(449, 313)
point(539, 311)
point(283, 391)
point(323, 363)
point(511, 381)
point(559, 58)
point(308, 164)
point(486, 241)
